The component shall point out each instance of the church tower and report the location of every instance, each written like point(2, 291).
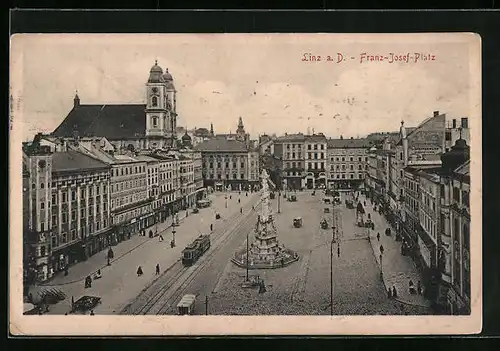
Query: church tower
point(240, 132)
point(161, 118)
point(171, 105)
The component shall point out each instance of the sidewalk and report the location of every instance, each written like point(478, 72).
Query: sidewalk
point(397, 269)
point(119, 283)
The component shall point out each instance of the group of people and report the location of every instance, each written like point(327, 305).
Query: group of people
point(140, 272)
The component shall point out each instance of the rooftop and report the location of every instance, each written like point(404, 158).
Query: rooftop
point(464, 169)
point(290, 137)
point(113, 121)
point(349, 143)
point(69, 161)
point(215, 145)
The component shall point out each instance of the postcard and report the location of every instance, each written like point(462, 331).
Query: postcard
point(245, 184)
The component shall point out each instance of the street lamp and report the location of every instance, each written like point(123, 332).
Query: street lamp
point(331, 258)
point(279, 201)
point(247, 258)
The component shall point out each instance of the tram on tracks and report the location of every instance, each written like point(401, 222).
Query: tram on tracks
point(195, 250)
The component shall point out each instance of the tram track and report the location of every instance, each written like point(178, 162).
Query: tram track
point(234, 223)
point(177, 292)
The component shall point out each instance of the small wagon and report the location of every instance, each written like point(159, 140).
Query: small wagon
point(85, 303)
point(297, 222)
point(186, 305)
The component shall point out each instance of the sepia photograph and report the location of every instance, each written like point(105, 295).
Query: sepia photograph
point(245, 183)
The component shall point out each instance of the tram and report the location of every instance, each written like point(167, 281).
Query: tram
point(195, 250)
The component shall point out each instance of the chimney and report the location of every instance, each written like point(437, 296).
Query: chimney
point(454, 123)
point(436, 113)
point(465, 123)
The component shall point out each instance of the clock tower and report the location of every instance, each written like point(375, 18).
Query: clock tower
point(160, 103)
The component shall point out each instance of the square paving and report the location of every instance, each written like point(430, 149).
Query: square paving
point(303, 288)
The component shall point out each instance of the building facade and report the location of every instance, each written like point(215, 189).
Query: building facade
point(315, 161)
point(290, 149)
point(454, 253)
point(229, 164)
point(347, 162)
point(68, 205)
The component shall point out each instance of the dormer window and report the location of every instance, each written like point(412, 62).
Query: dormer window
point(154, 101)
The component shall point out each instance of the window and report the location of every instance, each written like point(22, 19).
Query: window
point(54, 220)
point(343, 159)
point(42, 185)
point(359, 167)
point(42, 227)
point(73, 215)
point(155, 121)
point(73, 195)
point(235, 176)
point(42, 205)
point(64, 197)
point(154, 101)
point(64, 218)
point(73, 234)
point(42, 251)
point(465, 198)
point(98, 190)
point(351, 159)
point(309, 147)
point(456, 194)
point(343, 176)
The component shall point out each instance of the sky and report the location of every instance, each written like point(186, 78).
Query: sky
point(262, 78)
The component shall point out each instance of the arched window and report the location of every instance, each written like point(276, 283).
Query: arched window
point(155, 121)
point(154, 101)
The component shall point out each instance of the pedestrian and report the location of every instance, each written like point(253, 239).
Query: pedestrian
point(394, 292)
point(241, 210)
point(381, 249)
point(378, 236)
point(139, 271)
point(211, 227)
point(239, 200)
point(160, 237)
point(91, 312)
point(419, 288)
point(253, 208)
point(230, 197)
point(157, 269)
point(338, 251)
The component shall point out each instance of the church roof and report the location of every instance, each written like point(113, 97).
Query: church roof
point(74, 161)
point(113, 121)
point(222, 145)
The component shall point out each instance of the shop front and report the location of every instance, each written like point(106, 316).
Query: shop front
point(64, 257)
point(428, 265)
point(97, 243)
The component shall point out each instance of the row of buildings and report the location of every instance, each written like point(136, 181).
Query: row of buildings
point(109, 171)
point(315, 161)
point(420, 177)
point(421, 180)
point(79, 198)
